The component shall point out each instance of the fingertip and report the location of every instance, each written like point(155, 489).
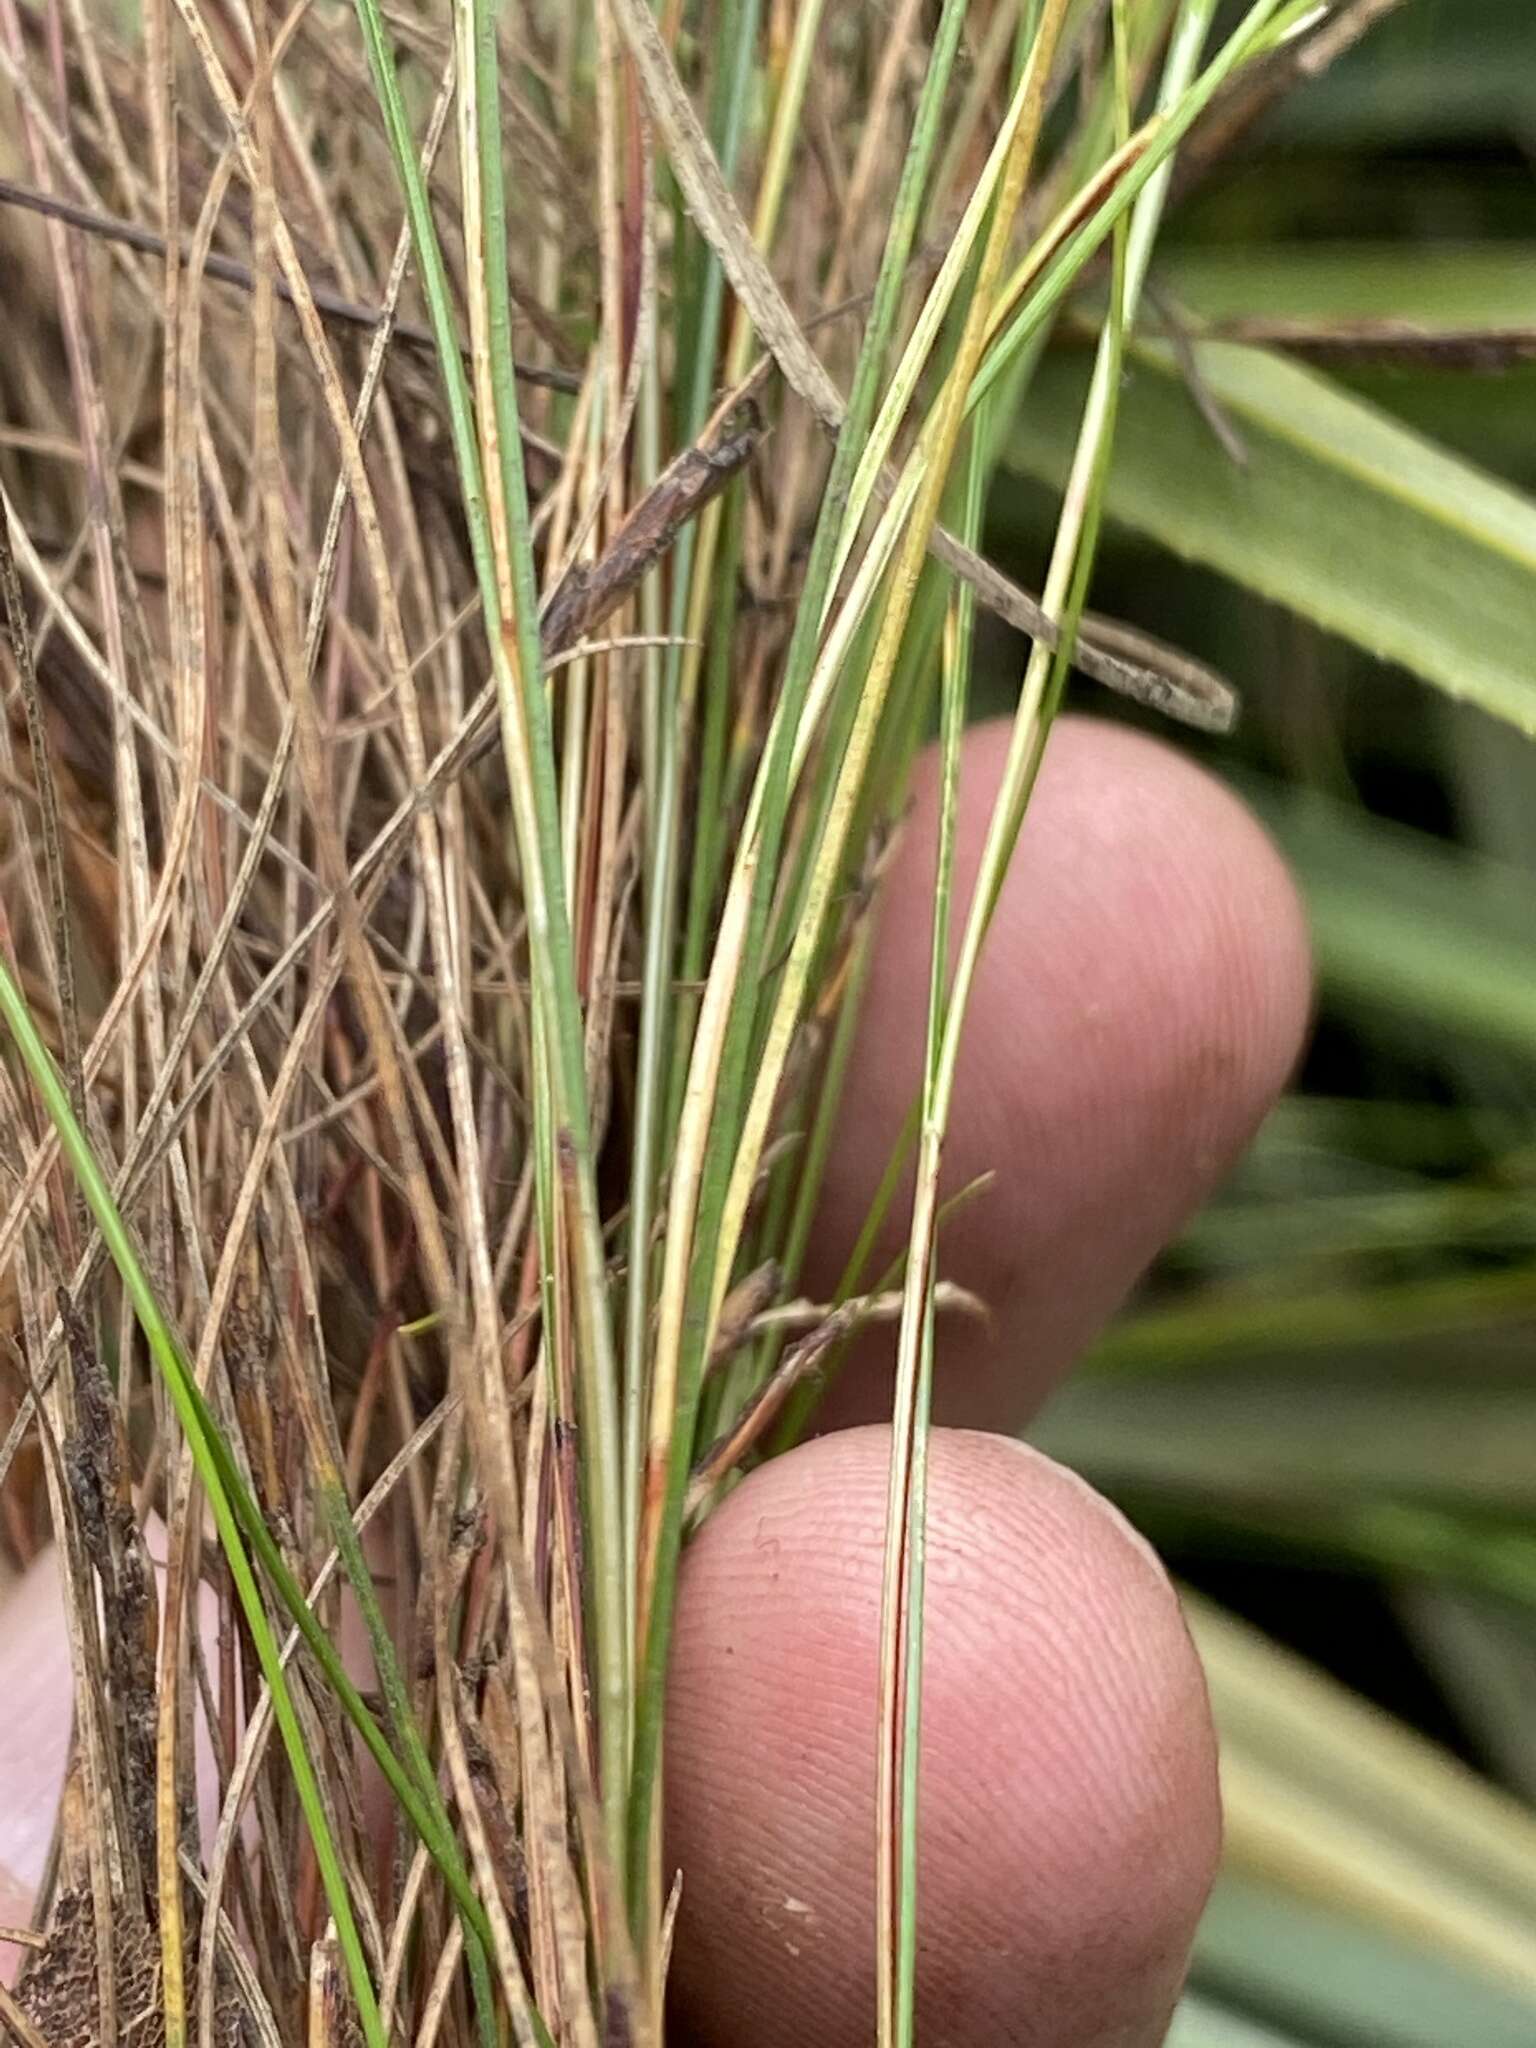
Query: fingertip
point(15, 1911)
point(36, 1686)
point(1141, 1000)
point(1068, 1819)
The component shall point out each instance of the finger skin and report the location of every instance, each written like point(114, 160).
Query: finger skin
point(37, 1693)
point(34, 1738)
point(1068, 1820)
point(1140, 1002)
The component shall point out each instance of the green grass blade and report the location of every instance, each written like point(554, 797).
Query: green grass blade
point(662, 1017)
point(528, 745)
point(1065, 594)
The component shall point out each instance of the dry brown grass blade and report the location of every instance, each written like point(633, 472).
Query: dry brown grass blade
point(61, 943)
point(94, 1845)
point(229, 270)
point(258, 1731)
point(480, 1381)
point(826, 1329)
point(1480, 351)
point(368, 875)
point(514, 1983)
point(719, 218)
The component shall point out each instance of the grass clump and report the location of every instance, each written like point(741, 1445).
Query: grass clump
point(493, 504)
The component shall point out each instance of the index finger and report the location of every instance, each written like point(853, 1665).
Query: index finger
point(1140, 1003)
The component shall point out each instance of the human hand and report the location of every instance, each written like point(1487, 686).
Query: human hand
point(1140, 1004)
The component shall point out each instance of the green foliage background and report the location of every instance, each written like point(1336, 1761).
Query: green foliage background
point(1324, 1406)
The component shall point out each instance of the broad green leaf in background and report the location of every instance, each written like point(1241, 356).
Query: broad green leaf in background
point(1320, 1256)
point(1322, 1229)
point(1339, 1802)
point(1374, 1323)
point(1483, 1653)
point(1323, 1979)
point(1201, 2023)
point(1488, 284)
point(1337, 1369)
point(1292, 1436)
point(1420, 935)
point(1481, 403)
point(1338, 511)
point(1441, 70)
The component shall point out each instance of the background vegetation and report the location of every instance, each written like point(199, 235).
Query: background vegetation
point(1324, 1410)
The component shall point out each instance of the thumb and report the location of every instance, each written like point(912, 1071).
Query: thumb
point(36, 1687)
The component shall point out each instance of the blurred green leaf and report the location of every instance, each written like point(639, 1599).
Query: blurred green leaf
point(1201, 2023)
point(1441, 284)
point(1321, 1227)
point(1339, 1369)
point(1338, 511)
point(1319, 1434)
point(1410, 928)
point(1227, 1327)
point(1327, 1980)
point(1433, 71)
point(1335, 1803)
point(1484, 1655)
point(1491, 420)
